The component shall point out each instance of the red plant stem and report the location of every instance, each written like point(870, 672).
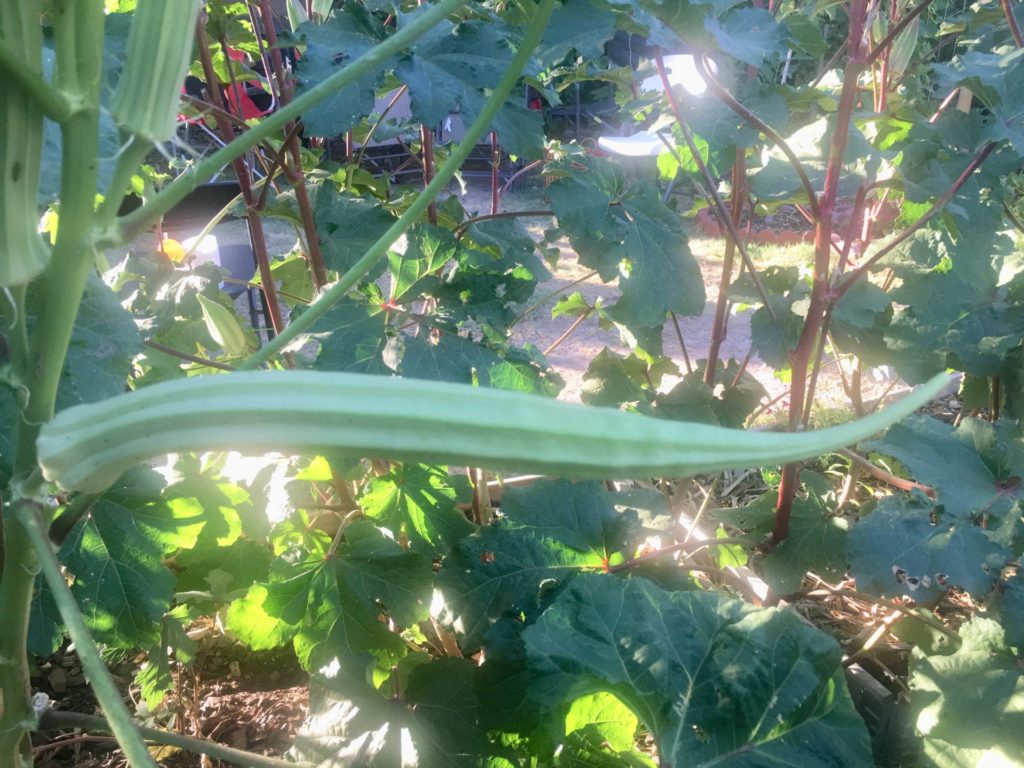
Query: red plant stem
point(399, 92)
point(515, 176)
point(941, 203)
point(256, 234)
point(723, 217)
point(945, 103)
point(495, 162)
point(816, 369)
point(886, 477)
point(887, 41)
point(754, 121)
point(278, 163)
point(427, 140)
point(855, 216)
point(800, 357)
point(317, 268)
point(997, 395)
point(719, 328)
point(1018, 38)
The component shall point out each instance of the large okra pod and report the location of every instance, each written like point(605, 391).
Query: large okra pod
point(160, 43)
point(23, 254)
point(87, 447)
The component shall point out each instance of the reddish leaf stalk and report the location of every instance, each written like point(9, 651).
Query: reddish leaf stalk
point(800, 357)
point(753, 120)
point(719, 207)
point(941, 203)
point(318, 269)
point(495, 162)
point(427, 140)
point(1018, 38)
point(887, 41)
point(259, 242)
point(719, 329)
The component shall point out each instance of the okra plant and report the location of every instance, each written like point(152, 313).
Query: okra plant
point(436, 630)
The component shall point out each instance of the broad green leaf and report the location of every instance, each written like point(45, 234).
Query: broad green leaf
point(241, 564)
point(429, 249)
point(352, 336)
point(448, 65)
point(102, 345)
point(693, 400)
point(624, 230)
point(1011, 609)
point(334, 605)
point(612, 380)
point(270, 613)
point(432, 725)
point(580, 25)
point(716, 681)
point(613, 719)
point(989, 461)
point(859, 321)
point(956, 313)
point(995, 79)
point(449, 68)
point(816, 541)
point(121, 583)
point(345, 36)
point(46, 630)
point(502, 571)
point(898, 551)
point(156, 677)
point(508, 245)
point(750, 34)
point(416, 503)
point(580, 515)
point(969, 707)
point(345, 602)
point(776, 181)
point(548, 531)
point(347, 226)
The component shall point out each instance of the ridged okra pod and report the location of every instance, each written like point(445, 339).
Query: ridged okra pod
point(87, 447)
point(23, 253)
point(145, 104)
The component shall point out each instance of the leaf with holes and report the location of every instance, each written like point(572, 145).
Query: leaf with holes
point(716, 681)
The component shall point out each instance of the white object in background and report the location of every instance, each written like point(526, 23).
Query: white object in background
point(205, 251)
point(640, 144)
point(681, 70)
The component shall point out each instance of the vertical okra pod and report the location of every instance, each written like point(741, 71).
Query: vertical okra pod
point(23, 253)
point(145, 104)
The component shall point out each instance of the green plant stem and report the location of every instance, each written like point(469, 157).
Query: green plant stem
point(121, 723)
point(379, 249)
point(132, 225)
point(57, 720)
point(53, 103)
point(78, 28)
point(19, 577)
